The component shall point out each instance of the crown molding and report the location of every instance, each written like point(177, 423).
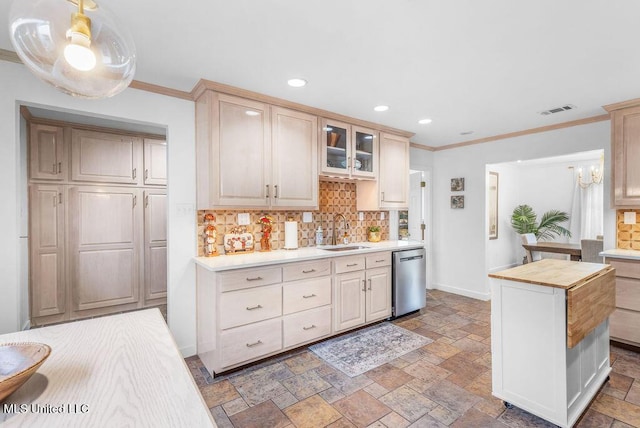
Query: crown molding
point(623, 104)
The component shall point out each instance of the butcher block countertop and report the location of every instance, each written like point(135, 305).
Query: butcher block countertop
point(115, 371)
point(553, 273)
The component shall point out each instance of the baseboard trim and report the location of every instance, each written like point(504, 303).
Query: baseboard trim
point(188, 351)
point(26, 325)
point(463, 292)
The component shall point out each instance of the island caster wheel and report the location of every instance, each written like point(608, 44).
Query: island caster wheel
point(508, 405)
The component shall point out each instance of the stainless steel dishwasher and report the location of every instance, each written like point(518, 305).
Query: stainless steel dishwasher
point(409, 281)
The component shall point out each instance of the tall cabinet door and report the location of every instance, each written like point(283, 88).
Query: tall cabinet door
point(349, 308)
point(241, 143)
point(104, 246)
point(394, 171)
point(47, 276)
point(155, 244)
point(104, 157)
point(155, 162)
point(625, 124)
point(295, 158)
point(46, 152)
point(378, 293)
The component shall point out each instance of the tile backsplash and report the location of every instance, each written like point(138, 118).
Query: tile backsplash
point(334, 198)
point(628, 235)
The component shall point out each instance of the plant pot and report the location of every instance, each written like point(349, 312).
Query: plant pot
point(374, 236)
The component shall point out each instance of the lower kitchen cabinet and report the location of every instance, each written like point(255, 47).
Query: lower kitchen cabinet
point(247, 314)
point(625, 320)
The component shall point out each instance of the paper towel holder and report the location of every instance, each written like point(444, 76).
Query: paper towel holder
point(290, 234)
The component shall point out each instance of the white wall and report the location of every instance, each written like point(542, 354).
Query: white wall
point(176, 115)
point(501, 252)
point(460, 244)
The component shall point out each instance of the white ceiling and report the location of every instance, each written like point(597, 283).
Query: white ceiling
point(484, 66)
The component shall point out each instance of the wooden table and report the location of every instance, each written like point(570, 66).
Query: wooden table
point(574, 250)
point(117, 371)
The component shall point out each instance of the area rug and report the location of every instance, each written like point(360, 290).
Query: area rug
point(363, 350)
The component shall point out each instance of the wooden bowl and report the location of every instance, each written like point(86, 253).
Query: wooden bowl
point(18, 361)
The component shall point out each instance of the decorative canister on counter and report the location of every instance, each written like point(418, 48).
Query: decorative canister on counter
point(373, 234)
point(209, 236)
point(266, 222)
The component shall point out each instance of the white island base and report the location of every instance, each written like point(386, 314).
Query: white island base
point(533, 368)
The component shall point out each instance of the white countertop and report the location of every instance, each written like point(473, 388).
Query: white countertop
point(621, 254)
point(115, 371)
point(237, 261)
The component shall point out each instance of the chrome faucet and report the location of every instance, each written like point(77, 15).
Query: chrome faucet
point(345, 227)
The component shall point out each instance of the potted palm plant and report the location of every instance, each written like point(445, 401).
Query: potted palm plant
point(524, 220)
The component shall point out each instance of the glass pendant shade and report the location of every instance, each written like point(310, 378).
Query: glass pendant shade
point(82, 54)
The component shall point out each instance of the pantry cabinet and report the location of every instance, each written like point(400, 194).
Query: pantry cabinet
point(391, 190)
point(46, 152)
point(155, 246)
point(155, 162)
point(248, 152)
point(105, 157)
point(625, 149)
point(47, 255)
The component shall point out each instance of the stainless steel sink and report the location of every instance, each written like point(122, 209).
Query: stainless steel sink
point(344, 248)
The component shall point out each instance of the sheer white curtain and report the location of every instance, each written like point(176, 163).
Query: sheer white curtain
point(587, 207)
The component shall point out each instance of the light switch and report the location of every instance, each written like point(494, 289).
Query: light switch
point(243, 219)
point(630, 217)
point(360, 216)
point(381, 215)
point(307, 217)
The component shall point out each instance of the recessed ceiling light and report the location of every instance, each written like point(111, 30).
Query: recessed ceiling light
point(424, 121)
point(466, 133)
point(297, 82)
point(381, 108)
point(251, 113)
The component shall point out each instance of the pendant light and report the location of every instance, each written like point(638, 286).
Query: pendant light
point(75, 45)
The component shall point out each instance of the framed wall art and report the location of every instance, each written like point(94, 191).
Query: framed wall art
point(457, 202)
point(457, 184)
point(493, 205)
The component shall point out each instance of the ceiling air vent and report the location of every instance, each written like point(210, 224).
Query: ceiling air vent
point(558, 109)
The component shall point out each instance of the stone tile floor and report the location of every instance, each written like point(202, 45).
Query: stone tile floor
point(445, 383)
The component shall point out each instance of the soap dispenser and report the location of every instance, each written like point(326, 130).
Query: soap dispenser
point(319, 237)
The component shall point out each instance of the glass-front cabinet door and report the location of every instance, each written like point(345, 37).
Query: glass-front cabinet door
point(365, 152)
point(336, 148)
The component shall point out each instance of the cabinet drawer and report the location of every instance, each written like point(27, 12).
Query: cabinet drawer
point(250, 341)
point(295, 271)
point(626, 268)
point(302, 295)
point(247, 306)
point(246, 278)
point(306, 326)
point(628, 293)
point(625, 325)
point(378, 260)
point(349, 264)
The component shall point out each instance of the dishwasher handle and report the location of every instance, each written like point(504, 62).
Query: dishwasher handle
point(406, 259)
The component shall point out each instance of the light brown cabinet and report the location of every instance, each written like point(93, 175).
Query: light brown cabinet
point(105, 157)
point(625, 320)
point(625, 149)
point(97, 238)
point(47, 152)
point(47, 255)
point(391, 190)
point(155, 162)
point(347, 150)
point(247, 152)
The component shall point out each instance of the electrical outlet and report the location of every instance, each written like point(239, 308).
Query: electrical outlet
point(307, 217)
point(382, 215)
point(243, 219)
point(360, 216)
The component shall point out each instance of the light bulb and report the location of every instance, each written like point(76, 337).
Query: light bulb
point(78, 54)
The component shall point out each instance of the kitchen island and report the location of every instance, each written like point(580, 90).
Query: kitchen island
point(550, 336)
point(121, 370)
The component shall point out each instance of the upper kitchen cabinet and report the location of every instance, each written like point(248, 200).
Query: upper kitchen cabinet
point(155, 162)
point(391, 190)
point(348, 150)
point(294, 155)
point(46, 152)
point(250, 154)
point(625, 147)
point(105, 157)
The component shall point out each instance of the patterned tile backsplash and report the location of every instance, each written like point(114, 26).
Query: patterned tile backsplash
point(628, 234)
point(335, 198)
